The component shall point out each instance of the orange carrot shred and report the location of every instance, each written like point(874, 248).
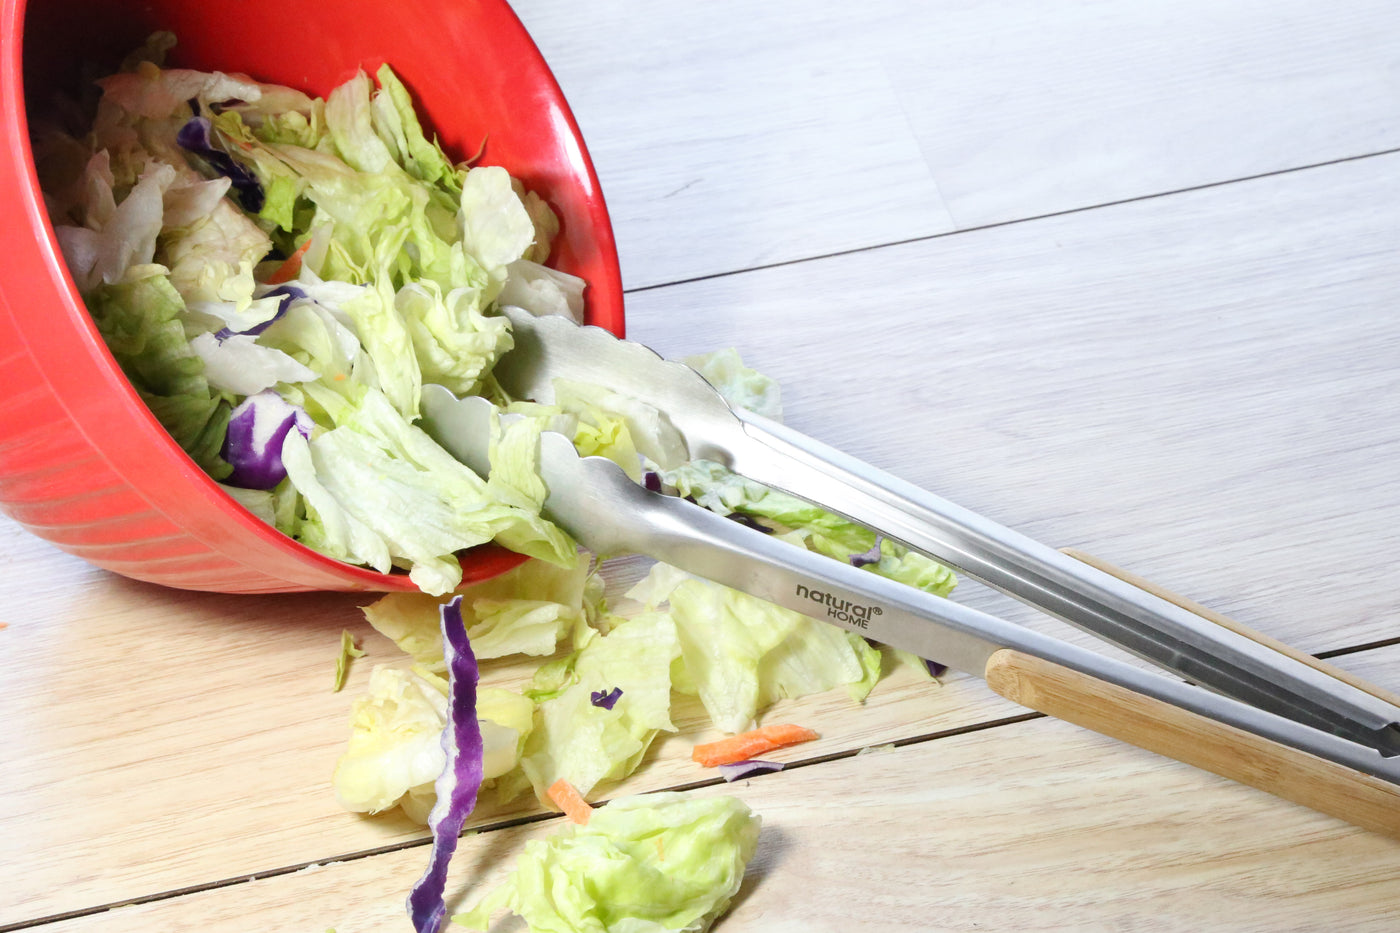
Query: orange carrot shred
point(567, 798)
point(748, 744)
point(291, 266)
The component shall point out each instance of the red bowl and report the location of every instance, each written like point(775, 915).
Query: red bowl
point(83, 463)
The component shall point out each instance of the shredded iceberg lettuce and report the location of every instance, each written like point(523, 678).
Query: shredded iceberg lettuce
point(233, 238)
point(742, 654)
point(587, 743)
point(526, 610)
point(394, 754)
point(650, 863)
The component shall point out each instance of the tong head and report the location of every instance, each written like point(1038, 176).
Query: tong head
point(1165, 634)
point(553, 347)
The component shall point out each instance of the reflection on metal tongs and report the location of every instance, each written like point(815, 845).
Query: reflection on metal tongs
point(1253, 710)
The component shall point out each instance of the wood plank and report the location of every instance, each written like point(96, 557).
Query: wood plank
point(156, 739)
point(1033, 826)
point(730, 135)
point(1149, 381)
point(1026, 108)
point(1201, 389)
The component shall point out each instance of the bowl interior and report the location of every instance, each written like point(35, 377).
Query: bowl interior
point(480, 84)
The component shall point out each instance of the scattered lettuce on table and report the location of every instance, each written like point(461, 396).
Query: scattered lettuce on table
point(650, 863)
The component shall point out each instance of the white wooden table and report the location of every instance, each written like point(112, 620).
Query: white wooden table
point(1121, 275)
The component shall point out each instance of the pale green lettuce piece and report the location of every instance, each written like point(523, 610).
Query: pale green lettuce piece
point(348, 652)
point(153, 93)
point(494, 225)
point(139, 318)
point(240, 365)
point(650, 863)
point(586, 744)
point(740, 386)
point(542, 290)
point(212, 259)
point(394, 753)
point(546, 227)
point(396, 123)
point(525, 610)
point(717, 488)
point(379, 491)
point(520, 626)
point(350, 124)
point(648, 432)
point(455, 343)
point(742, 654)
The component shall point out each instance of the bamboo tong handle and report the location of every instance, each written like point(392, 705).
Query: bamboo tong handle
point(1108, 709)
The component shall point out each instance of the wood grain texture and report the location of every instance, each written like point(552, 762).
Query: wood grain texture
point(155, 740)
point(1225, 622)
point(730, 135)
point(1024, 108)
point(1036, 826)
point(1200, 388)
point(1119, 713)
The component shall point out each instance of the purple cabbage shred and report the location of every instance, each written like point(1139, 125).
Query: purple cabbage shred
point(652, 480)
point(607, 699)
point(460, 780)
point(197, 137)
point(287, 294)
point(935, 669)
point(748, 521)
point(253, 443)
point(738, 770)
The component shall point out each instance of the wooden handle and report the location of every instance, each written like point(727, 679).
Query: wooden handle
point(1225, 621)
point(1151, 724)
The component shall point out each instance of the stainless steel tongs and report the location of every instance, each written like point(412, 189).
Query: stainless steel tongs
point(1248, 709)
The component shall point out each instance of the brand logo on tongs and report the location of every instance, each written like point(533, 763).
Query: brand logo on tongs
point(838, 609)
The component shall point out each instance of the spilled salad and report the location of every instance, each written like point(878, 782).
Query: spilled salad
point(605, 683)
point(278, 275)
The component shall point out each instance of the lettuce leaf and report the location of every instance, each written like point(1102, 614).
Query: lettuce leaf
point(740, 386)
point(585, 743)
point(650, 863)
point(717, 488)
point(742, 654)
point(526, 610)
point(394, 753)
point(185, 198)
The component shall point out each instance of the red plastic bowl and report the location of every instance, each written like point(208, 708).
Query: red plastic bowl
point(83, 463)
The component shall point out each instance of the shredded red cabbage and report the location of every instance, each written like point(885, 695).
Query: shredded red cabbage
point(935, 669)
point(288, 294)
point(736, 770)
point(607, 699)
point(460, 781)
point(196, 136)
point(748, 521)
point(871, 556)
point(253, 444)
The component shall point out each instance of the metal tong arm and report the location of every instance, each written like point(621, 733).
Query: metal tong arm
point(1126, 615)
point(594, 500)
point(549, 348)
